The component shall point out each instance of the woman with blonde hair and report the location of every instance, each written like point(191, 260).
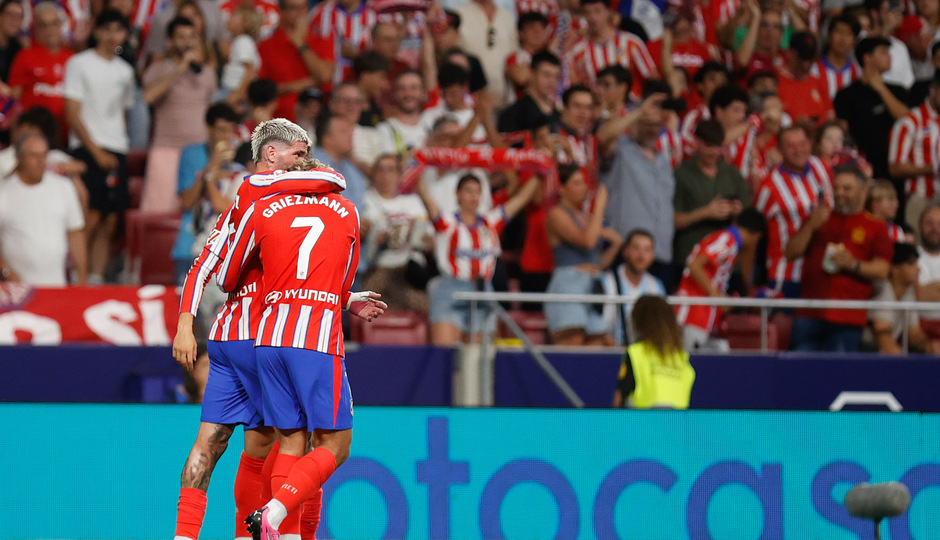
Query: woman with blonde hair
point(656, 372)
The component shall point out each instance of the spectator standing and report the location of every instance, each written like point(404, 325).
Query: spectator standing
point(454, 84)
point(604, 44)
point(836, 68)
point(399, 236)
point(707, 273)
point(870, 106)
point(538, 102)
point(99, 88)
point(191, 9)
point(371, 74)
point(346, 27)
point(612, 92)
point(577, 239)
point(805, 96)
point(295, 59)
point(268, 9)
point(928, 286)
point(640, 180)
point(493, 46)
point(11, 24)
point(41, 221)
point(913, 160)
point(402, 132)
point(37, 76)
point(243, 58)
point(885, 16)
point(918, 30)
point(157, 42)
point(656, 372)
point(709, 192)
point(709, 78)
point(760, 49)
point(348, 101)
point(202, 166)
point(631, 279)
point(534, 36)
point(576, 126)
point(887, 326)
point(846, 249)
point(180, 89)
point(335, 148)
point(262, 100)
point(728, 106)
point(786, 197)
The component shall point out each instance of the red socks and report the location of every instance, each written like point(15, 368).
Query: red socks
point(190, 512)
point(310, 519)
point(249, 484)
point(306, 477)
point(267, 470)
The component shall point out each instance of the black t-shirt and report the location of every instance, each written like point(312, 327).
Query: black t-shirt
point(371, 116)
point(524, 114)
point(869, 120)
point(6, 58)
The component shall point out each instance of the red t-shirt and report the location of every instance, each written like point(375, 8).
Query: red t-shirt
point(866, 237)
point(809, 97)
point(690, 55)
point(41, 73)
point(281, 62)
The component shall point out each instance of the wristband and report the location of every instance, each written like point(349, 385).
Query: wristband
point(858, 265)
point(303, 48)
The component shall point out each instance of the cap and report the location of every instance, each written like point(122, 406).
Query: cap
point(805, 45)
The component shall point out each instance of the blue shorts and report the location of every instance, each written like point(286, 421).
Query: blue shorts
point(304, 389)
point(233, 391)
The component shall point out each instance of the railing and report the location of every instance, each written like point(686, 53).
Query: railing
point(483, 381)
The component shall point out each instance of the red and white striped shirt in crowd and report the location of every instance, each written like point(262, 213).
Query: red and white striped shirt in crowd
point(270, 14)
point(145, 11)
point(469, 252)
point(308, 245)
point(75, 11)
point(588, 57)
point(549, 8)
point(835, 78)
point(689, 123)
point(813, 13)
point(521, 57)
point(234, 322)
point(915, 140)
point(670, 143)
point(740, 152)
point(786, 198)
point(410, 51)
point(329, 20)
point(895, 233)
point(721, 248)
point(584, 153)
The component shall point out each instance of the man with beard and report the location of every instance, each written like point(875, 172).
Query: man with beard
point(846, 249)
point(403, 131)
point(631, 279)
point(928, 289)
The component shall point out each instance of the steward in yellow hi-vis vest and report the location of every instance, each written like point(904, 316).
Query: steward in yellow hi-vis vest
point(656, 372)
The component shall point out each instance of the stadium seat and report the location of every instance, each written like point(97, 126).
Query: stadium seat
point(742, 330)
point(394, 327)
point(532, 323)
point(135, 187)
point(136, 163)
point(150, 239)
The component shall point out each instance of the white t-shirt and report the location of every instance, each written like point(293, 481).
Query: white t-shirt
point(443, 188)
point(34, 225)
point(901, 72)
point(463, 117)
point(648, 285)
point(884, 292)
point(244, 50)
point(8, 160)
point(105, 88)
point(929, 272)
point(365, 144)
point(405, 220)
point(409, 137)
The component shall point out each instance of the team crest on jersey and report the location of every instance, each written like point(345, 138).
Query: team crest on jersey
point(858, 235)
point(272, 297)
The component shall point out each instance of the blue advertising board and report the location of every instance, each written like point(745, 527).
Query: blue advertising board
point(111, 471)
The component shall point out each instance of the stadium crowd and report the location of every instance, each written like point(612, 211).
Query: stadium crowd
point(776, 148)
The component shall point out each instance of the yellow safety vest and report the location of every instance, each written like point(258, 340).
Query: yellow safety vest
point(660, 384)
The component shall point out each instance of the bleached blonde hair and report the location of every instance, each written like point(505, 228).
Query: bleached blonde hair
point(276, 130)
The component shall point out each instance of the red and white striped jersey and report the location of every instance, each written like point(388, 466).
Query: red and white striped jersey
point(689, 123)
point(915, 140)
point(549, 8)
point(834, 78)
point(813, 12)
point(588, 57)
point(740, 152)
point(145, 11)
point(269, 10)
point(308, 245)
point(670, 143)
point(521, 57)
point(896, 233)
point(721, 248)
point(330, 21)
point(786, 198)
point(469, 252)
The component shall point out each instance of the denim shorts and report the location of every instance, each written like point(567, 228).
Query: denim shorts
point(566, 315)
point(445, 309)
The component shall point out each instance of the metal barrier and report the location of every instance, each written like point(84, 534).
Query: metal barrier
point(484, 361)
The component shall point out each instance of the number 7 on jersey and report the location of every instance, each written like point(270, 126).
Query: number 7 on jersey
point(316, 227)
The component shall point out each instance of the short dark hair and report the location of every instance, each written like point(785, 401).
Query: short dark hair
point(175, 23)
point(262, 92)
point(370, 62)
point(904, 253)
point(707, 68)
point(106, 17)
point(637, 232)
point(408, 71)
point(763, 74)
point(544, 57)
point(43, 119)
point(572, 90)
point(453, 18)
point(750, 219)
point(451, 74)
point(604, 2)
point(846, 20)
point(243, 154)
point(323, 125)
point(530, 17)
point(850, 168)
point(710, 132)
point(466, 179)
point(868, 46)
point(620, 74)
point(221, 111)
point(725, 96)
point(566, 171)
point(655, 86)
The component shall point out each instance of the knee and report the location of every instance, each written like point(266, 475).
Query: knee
point(341, 454)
